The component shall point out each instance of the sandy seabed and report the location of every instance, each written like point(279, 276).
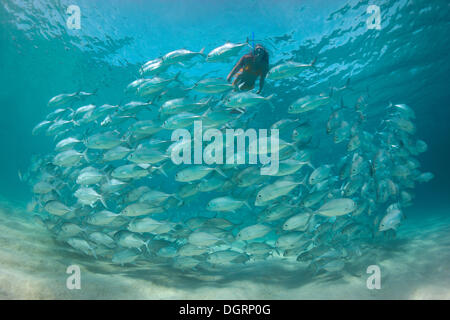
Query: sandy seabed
point(414, 265)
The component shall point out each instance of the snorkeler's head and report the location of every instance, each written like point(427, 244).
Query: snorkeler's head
point(261, 53)
point(259, 50)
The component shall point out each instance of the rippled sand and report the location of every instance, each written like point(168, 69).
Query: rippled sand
point(33, 266)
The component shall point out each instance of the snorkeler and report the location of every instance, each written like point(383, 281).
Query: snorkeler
point(251, 66)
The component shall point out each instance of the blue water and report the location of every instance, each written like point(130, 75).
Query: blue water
point(406, 61)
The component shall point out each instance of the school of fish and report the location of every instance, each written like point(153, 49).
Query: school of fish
point(111, 191)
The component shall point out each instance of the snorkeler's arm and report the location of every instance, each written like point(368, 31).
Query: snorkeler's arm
point(261, 81)
point(238, 65)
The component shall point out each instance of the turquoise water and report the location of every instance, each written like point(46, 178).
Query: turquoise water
point(406, 61)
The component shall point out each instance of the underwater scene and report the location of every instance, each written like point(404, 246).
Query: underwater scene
point(251, 149)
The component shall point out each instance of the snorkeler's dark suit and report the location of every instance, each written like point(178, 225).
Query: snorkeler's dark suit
point(249, 68)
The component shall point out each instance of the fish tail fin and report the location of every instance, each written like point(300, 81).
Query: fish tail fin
point(277, 251)
point(247, 204)
point(269, 100)
point(270, 97)
point(146, 245)
point(177, 77)
point(202, 52)
point(312, 64)
point(309, 164)
point(304, 181)
point(161, 169)
point(85, 156)
point(390, 105)
point(94, 254)
point(208, 111)
point(331, 92)
point(208, 100)
point(294, 145)
point(180, 200)
point(58, 192)
point(158, 96)
point(342, 189)
point(219, 171)
point(102, 200)
point(347, 85)
point(315, 267)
